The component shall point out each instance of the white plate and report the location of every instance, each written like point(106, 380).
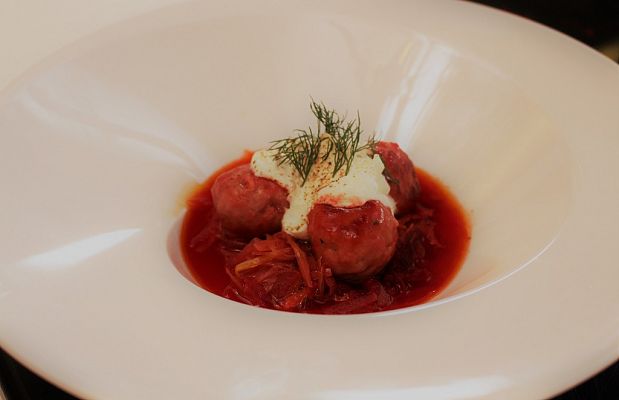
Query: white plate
point(100, 143)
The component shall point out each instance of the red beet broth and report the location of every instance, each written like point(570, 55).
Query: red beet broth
point(438, 249)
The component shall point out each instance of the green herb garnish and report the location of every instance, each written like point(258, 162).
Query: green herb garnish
point(342, 138)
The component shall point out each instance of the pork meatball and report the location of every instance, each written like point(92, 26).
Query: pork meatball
point(248, 206)
point(400, 174)
point(354, 242)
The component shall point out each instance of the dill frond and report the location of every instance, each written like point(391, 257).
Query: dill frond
point(342, 138)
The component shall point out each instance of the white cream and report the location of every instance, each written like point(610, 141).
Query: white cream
point(264, 165)
point(364, 182)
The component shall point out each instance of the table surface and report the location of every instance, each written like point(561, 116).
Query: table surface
point(30, 30)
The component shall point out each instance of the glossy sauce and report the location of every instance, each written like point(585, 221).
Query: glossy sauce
point(439, 267)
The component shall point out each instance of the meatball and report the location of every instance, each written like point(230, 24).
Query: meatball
point(248, 206)
point(354, 242)
point(400, 174)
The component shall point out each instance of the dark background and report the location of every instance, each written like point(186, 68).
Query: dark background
point(594, 22)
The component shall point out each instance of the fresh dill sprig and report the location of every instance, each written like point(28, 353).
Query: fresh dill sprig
point(301, 151)
point(344, 137)
point(342, 140)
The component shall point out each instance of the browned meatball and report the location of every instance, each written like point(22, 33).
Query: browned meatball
point(400, 174)
point(247, 205)
point(354, 242)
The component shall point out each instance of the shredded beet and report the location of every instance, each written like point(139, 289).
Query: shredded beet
point(281, 272)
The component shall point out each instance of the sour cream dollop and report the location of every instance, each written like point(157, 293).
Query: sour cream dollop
point(364, 182)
